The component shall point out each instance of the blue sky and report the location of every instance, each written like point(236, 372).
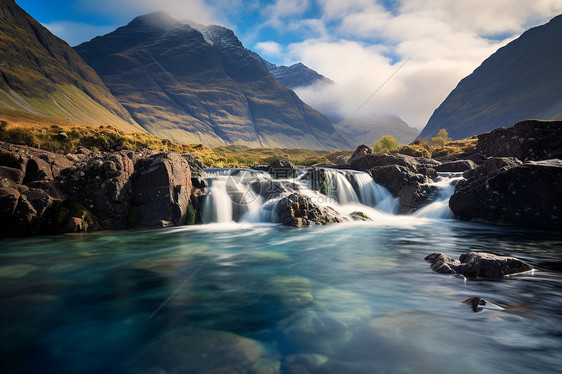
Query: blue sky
point(356, 43)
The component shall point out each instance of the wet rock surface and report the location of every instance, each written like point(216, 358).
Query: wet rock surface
point(45, 192)
point(298, 210)
point(528, 194)
point(526, 140)
point(477, 265)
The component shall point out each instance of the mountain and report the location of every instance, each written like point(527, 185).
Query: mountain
point(522, 80)
point(198, 84)
point(296, 75)
point(367, 130)
point(41, 74)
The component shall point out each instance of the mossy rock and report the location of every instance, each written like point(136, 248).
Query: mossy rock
point(65, 213)
point(415, 150)
point(360, 216)
point(191, 216)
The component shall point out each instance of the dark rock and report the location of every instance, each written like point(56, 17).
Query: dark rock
point(411, 187)
point(492, 164)
point(476, 303)
point(297, 210)
point(455, 166)
point(37, 169)
point(281, 169)
point(370, 161)
point(361, 151)
point(525, 195)
point(526, 140)
point(103, 185)
point(475, 265)
point(162, 189)
point(62, 135)
point(12, 174)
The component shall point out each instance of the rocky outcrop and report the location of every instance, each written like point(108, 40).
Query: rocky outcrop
point(455, 166)
point(44, 192)
point(162, 188)
point(526, 140)
point(528, 194)
point(297, 210)
point(281, 169)
point(475, 265)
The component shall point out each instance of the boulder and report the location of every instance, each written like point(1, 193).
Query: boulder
point(526, 140)
point(162, 189)
point(103, 185)
point(455, 166)
point(12, 174)
point(477, 265)
point(360, 151)
point(409, 186)
point(529, 195)
point(370, 161)
point(281, 169)
point(298, 210)
point(197, 352)
point(492, 164)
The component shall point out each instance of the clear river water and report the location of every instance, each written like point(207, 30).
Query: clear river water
point(256, 297)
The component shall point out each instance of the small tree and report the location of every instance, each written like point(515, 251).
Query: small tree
point(386, 143)
point(442, 138)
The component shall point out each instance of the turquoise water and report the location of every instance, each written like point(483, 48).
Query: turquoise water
point(241, 298)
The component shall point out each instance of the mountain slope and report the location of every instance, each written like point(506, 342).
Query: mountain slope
point(41, 74)
point(296, 75)
point(202, 86)
point(522, 80)
point(367, 130)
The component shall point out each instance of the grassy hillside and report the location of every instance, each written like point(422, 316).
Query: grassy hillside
point(42, 74)
point(43, 132)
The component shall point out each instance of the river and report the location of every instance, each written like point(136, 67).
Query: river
point(256, 297)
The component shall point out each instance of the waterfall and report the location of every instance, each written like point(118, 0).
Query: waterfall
point(231, 198)
point(339, 188)
point(440, 207)
point(373, 194)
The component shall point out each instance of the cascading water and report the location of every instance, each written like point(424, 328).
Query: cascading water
point(440, 207)
point(231, 198)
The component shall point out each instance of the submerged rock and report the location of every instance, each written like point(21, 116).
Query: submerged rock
point(197, 353)
point(476, 265)
point(293, 292)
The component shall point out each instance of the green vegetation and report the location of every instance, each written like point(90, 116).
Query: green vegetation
point(441, 139)
point(108, 138)
point(420, 148)
point(385, 144)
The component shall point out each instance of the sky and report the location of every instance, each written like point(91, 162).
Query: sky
point(405, 55)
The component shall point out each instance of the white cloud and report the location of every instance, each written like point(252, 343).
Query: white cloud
point(365, 43)
point(271, 49)
point(75, 33)
point(285, 8)
point(196, 10)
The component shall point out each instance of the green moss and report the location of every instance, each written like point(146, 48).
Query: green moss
point(62, 213)
point(324, 186)
point(191, 215)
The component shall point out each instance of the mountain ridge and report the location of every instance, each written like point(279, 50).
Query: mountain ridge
point(520, 81)
point(199, 84)
point(43, 75)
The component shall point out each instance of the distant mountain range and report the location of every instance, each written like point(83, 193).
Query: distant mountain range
point(522, 80)
point(41, 74)
point(294, 76)
point(198, 84)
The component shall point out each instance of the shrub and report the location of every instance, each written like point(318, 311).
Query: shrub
point(386, 143)
point(442, 138)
